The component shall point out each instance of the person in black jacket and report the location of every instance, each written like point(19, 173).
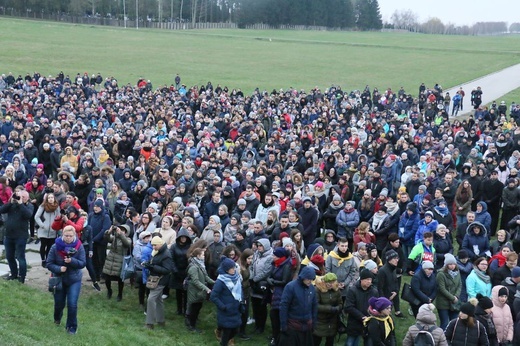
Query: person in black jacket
point(424, 286)
point(19, 212)
point(161, 265)
point(179, 252)
point(465, 329)
point(483, 315)
point(388, 283)
point(356, 306)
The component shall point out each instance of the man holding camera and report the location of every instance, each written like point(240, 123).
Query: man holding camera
point(19, 212)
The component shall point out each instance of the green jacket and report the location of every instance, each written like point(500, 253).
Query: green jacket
point(417, 255)
point(198, 283)
point(448, 288)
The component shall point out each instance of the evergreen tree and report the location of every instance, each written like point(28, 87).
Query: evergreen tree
point(368, 15)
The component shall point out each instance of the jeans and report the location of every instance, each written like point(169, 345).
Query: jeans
point(353, 340)
point(446, 316)
point(90, 265)
point(15, 251)
point(461, 219)
point(70, 295)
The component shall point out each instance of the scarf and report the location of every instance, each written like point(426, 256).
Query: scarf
point(442, 211)
point(453, 273)
point(249, 198)
point(233, 283)
point(481, 275)
point(65, 248)
point(279, 261)
point(199, 262)
point(340, 259)
point(378, 220)
point(464, 195)
point(293, 224)
point(387, 321)
point(337, 207)
point(50, 208)
point(392, 207)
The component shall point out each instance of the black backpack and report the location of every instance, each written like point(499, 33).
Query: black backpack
point(425, 336)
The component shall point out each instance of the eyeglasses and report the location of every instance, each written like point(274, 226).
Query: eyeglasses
point(483, 264)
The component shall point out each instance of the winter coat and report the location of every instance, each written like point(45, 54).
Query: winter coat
point(347, 222)
point(17, 221)
point(384, 228)
point(502, 317)
point(419, 254)
point(215, 250)
point(180, 261)
point(448, 288)
point(424, 288)
point(329, 216)
point(425, 227)
point(387, 280)
point(474, 241)
point(262, 265)
point(198, 282)
point(119, 246)
point(458, 333)
point(425, 320)
point(408, 226)
point(376, 334)
point(74, 272)
point(280, 276)
point(484, 217)
point(309, 221)
point(228, 308)
point(44, 220)
point(345, 269)
point(475, 285)
point(100, 222)
point(161, 265)
point(329, 307)
point(263, 210)
point(356, 306)
point(442, 247)
point(486, 320)
point(299, 303)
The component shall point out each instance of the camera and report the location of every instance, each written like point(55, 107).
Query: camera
point(71, 252)
point(16, 197)
point(63, 212)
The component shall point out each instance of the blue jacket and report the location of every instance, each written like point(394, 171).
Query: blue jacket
point(280, 277)
point(483, 217)
point(424, 287)
point(347, 222)
point(228, 308)
point(99, 222)
point(423, 228)
point(480, 240)
point(299, 302)
point(74, 271)
point(408, 226)
point(475, 285)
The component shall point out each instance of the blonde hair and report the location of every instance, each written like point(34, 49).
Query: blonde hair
point(68, 229)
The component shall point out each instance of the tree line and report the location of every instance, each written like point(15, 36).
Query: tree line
point(337, 14)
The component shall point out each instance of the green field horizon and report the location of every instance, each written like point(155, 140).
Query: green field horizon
point(247, 59)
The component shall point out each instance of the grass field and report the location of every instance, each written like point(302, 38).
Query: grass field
point(249, 59)
point(27, 319)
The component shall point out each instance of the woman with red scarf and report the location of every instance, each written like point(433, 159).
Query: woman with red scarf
point(67, 259)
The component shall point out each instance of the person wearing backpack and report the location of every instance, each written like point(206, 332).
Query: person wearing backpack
point(465, 329)
point(425, 331)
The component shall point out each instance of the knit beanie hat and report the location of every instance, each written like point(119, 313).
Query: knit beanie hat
point(330, 277)
point(287, 241)
point(366, 274)
point(391, 254)
point(370, 265)
point(449, 259)
point(503, 291)
point(157, 240)
point(280, 252)
point(484, 302)
point(99, 203)
point(468, 309)
point(379, 304)
point(227, 264)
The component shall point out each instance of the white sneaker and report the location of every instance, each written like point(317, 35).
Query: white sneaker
point(250, 320)
point(164, 296)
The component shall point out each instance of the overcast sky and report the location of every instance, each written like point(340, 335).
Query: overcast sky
point(458, 12)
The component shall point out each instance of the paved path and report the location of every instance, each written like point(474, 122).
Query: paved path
point(494, 86)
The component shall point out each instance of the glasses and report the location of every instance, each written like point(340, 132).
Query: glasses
point(483, 264)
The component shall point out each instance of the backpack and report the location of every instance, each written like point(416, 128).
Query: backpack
point(424, 337)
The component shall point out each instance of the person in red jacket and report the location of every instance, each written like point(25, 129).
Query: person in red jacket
point(72, 218)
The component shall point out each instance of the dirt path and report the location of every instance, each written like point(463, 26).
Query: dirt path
point(494, 86)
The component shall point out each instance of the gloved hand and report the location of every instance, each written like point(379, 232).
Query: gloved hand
point(270, 281)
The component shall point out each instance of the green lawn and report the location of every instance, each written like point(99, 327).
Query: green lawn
point(27, 319)
point(249, 58)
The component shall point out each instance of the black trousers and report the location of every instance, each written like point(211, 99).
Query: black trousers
point(98, 259)
point(275, 323)
point(181, 297)
point(259, 313)
point(329, 340)
point(226, 335)
point(194, 312)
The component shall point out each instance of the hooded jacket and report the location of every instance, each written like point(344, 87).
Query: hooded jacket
point(425, 227)
point(476, 244)
point(408, 226)
point(178, 253)
point(347, 221)
point(425, 320)
point(345, 268)
point(262, 264)
point(502, 317)
point(329, 307)
point(483, 217)
point(299, 302)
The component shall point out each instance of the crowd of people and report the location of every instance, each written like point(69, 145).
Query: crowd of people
point(306, 208)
